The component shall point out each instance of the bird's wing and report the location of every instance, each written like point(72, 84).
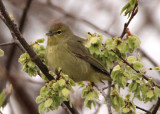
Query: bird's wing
point(77, 47)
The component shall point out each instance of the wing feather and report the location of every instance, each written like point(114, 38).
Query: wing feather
point(77, 47)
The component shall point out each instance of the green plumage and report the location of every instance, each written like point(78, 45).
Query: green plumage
point(67, 51)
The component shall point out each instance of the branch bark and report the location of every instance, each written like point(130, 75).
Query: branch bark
point(134, 12)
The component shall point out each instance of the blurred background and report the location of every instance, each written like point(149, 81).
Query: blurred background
point(34, 18)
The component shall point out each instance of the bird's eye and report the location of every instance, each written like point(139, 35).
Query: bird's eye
point(59, 32)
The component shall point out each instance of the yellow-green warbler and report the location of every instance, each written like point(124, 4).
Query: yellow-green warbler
point(67, 51)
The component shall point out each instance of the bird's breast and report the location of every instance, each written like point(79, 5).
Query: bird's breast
point(60, 56)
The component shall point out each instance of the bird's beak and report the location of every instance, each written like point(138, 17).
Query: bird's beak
point(49, 34)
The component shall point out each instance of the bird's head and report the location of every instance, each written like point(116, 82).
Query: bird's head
point(59, 32)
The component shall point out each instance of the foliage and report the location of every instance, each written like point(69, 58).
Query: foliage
point(2, 95)
point(128, 8)
point(1, 52)
point(29, 66)
point(90, 95)
point(55, 92)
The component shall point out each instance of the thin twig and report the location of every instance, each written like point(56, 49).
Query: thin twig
point(148, 112)
point(156, 106)
point(104, 95)
point(7, 44)
point(21, 28)
point(145, 77)
point(24, 16)
point(108, 98)
point(134, 12)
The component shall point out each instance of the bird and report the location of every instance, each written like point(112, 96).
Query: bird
point(67, 51)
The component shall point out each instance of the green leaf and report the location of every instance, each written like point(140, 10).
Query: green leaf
point(115, 100)
point(61, 82)
point(65, 92)
point(128, 96)
point(125, 7)
point(157, 68)
point(94, 40)
point(157, 91)
point(81, 84)
point(110, 43)
point(85, 92)
point(2, 94)
point(48, 103)
point(92, 95)
point(131, 59)
point(40, 40)
point(133, 43)
point(88, 103)
point(39, 99)
point(123, 47)
point(1, 52)
point(150, 94)
point(116, 68)
point(125, 110)
point(23, 58)
point(138, 65)
point(55, 86)
point(41, 108)
point(43, 90)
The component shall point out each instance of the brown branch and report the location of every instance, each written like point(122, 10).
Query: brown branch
point(22, 24)
point(7, 44)
point(148, 112)
point(13, 27)
point(13, 43)
point(156, 107)
point(103, 94)
point(24, 16)
point(134, 12)
point(35, 58)
point(108, 98)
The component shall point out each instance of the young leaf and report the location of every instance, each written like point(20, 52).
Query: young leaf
point(1, 52)
point(138, 65)
point(39, 99)
point(40, 40)
point(65, 92)
point(150, 94)
point(48, 103)
point(157, 91)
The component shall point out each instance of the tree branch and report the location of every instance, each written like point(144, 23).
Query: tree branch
point(7, 44)
point(35, 58)
point(106, 97)
point(145, 77)
point(134, 12)
point(23, 18)
point(156, 106)
point(22, 24)
point(148, 112)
